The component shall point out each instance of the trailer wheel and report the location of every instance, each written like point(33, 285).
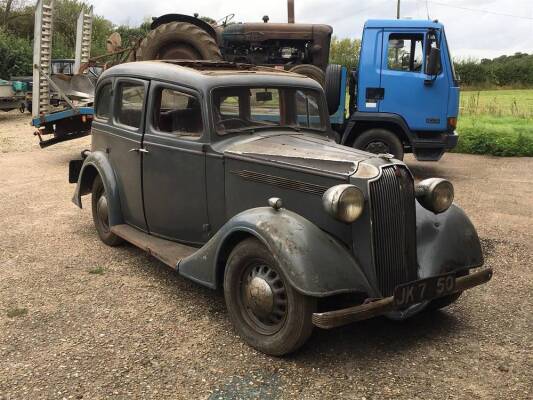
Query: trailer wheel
point(178, 41)
point(266, 311)
point(101, 214)
point(333, 87)
point(380, 141)
point(311, 71)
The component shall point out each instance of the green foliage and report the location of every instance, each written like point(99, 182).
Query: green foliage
point(15, 56)
point(497, 136)
point(345, 52)
point(504, 71)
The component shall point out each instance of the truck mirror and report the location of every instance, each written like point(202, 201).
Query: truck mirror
point(433, 65)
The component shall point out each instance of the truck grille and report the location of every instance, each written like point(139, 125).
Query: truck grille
point(393, 228)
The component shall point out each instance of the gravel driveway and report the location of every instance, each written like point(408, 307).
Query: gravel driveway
point(82, 320)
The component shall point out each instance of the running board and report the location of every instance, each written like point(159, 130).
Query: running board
point(165, 251)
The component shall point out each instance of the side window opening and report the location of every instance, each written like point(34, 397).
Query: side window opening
point(178, 113)
point(405, 52)
point(103, 103)
point(130, 104)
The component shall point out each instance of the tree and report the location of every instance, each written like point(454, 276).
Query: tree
point(345, 52)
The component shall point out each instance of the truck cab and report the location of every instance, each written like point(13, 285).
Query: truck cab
point(405, 94)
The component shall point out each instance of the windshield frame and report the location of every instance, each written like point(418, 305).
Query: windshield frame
point(322, 107)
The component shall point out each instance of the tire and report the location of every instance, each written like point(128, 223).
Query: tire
point(311, 71)
point(333, 87)
point(380, 141)
point(178, 40)
point(277, 323)
point(101, 216)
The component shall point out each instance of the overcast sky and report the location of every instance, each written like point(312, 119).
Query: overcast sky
point(471, 32)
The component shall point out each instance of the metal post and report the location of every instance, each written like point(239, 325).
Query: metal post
point(290, 5)
point(42, 56)
point(398, 10)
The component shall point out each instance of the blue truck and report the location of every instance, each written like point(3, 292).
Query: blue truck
point(404, 96)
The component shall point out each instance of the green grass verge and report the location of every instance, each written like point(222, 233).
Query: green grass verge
point(505, 136)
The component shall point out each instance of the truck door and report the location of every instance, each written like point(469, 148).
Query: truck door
point(174, 187)
point(407, 90)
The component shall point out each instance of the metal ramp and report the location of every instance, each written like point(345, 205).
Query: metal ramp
point(42, 57)
point(83, 38)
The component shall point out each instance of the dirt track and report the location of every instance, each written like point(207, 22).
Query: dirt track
point(82, 320)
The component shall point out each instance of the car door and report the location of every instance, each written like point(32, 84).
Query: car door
point(406, 89)
point(122, 141)
point(173, 168)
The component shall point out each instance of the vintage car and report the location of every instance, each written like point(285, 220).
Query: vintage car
point(229, 173)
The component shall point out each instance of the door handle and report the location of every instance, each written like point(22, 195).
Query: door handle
point(139, 150)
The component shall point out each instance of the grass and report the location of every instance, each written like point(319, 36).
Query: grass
point(96, 271)
point(17, 312)
point(496, 122)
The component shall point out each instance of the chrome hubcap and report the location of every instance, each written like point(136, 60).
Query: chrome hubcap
point(103, 212)
point(264, 298)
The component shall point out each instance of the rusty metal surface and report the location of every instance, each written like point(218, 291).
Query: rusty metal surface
point(303, 151)
point(336, 318)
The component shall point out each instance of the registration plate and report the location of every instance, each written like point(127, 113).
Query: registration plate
point(424, 289)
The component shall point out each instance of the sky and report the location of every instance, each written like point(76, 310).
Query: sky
point(475, 28)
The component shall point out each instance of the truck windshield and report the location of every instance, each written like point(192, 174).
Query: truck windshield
point(239, 109)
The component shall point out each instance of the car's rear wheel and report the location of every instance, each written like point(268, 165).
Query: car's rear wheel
point(100, 209)
point(380, 141)
point(267, 312)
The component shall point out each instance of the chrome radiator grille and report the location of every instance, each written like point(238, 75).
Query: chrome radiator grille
point(393, 228)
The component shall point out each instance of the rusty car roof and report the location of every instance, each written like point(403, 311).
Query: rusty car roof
point(204, 75)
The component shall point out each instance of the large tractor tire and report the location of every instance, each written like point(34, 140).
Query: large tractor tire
point(333, 87)
point(310, 71)
point(178, 41)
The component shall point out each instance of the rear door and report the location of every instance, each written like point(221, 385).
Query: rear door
point(174, 180)
point(406, 88)
point(122, 143)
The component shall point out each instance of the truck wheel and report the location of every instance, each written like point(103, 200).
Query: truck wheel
point(178, 41)
point(311, 71)
point(101, 214)
point(333, 87)
point(380, 141)
point(267, 312)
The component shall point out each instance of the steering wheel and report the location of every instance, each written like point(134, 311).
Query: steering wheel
point(225, 20)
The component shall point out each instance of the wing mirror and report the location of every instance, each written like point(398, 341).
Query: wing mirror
point(433, 66)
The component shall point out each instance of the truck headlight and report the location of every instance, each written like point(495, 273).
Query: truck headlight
point(344, 202)
point(435, 194)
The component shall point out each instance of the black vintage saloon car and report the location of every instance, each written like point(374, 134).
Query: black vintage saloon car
point(227, 173)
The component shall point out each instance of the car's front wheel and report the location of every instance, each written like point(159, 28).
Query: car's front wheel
point(267, 312)
point(100, 208)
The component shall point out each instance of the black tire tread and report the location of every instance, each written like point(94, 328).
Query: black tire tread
point(395, 143)
point(205, 43)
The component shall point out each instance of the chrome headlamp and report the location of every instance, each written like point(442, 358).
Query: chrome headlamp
point(435, 194)
point(344, 202)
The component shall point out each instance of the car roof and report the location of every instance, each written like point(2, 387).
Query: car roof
point(204, 75)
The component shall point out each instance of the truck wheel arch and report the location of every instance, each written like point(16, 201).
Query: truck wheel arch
point(362, 122)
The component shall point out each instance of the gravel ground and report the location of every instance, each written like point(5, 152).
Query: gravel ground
point(82, 320)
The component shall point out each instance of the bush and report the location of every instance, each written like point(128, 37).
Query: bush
point(497, 136)
point(16, 56)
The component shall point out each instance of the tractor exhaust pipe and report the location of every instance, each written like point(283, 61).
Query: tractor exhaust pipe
point(290, 5)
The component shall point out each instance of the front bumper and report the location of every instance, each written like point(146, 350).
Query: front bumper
point(431, 148)
point(333, 319)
